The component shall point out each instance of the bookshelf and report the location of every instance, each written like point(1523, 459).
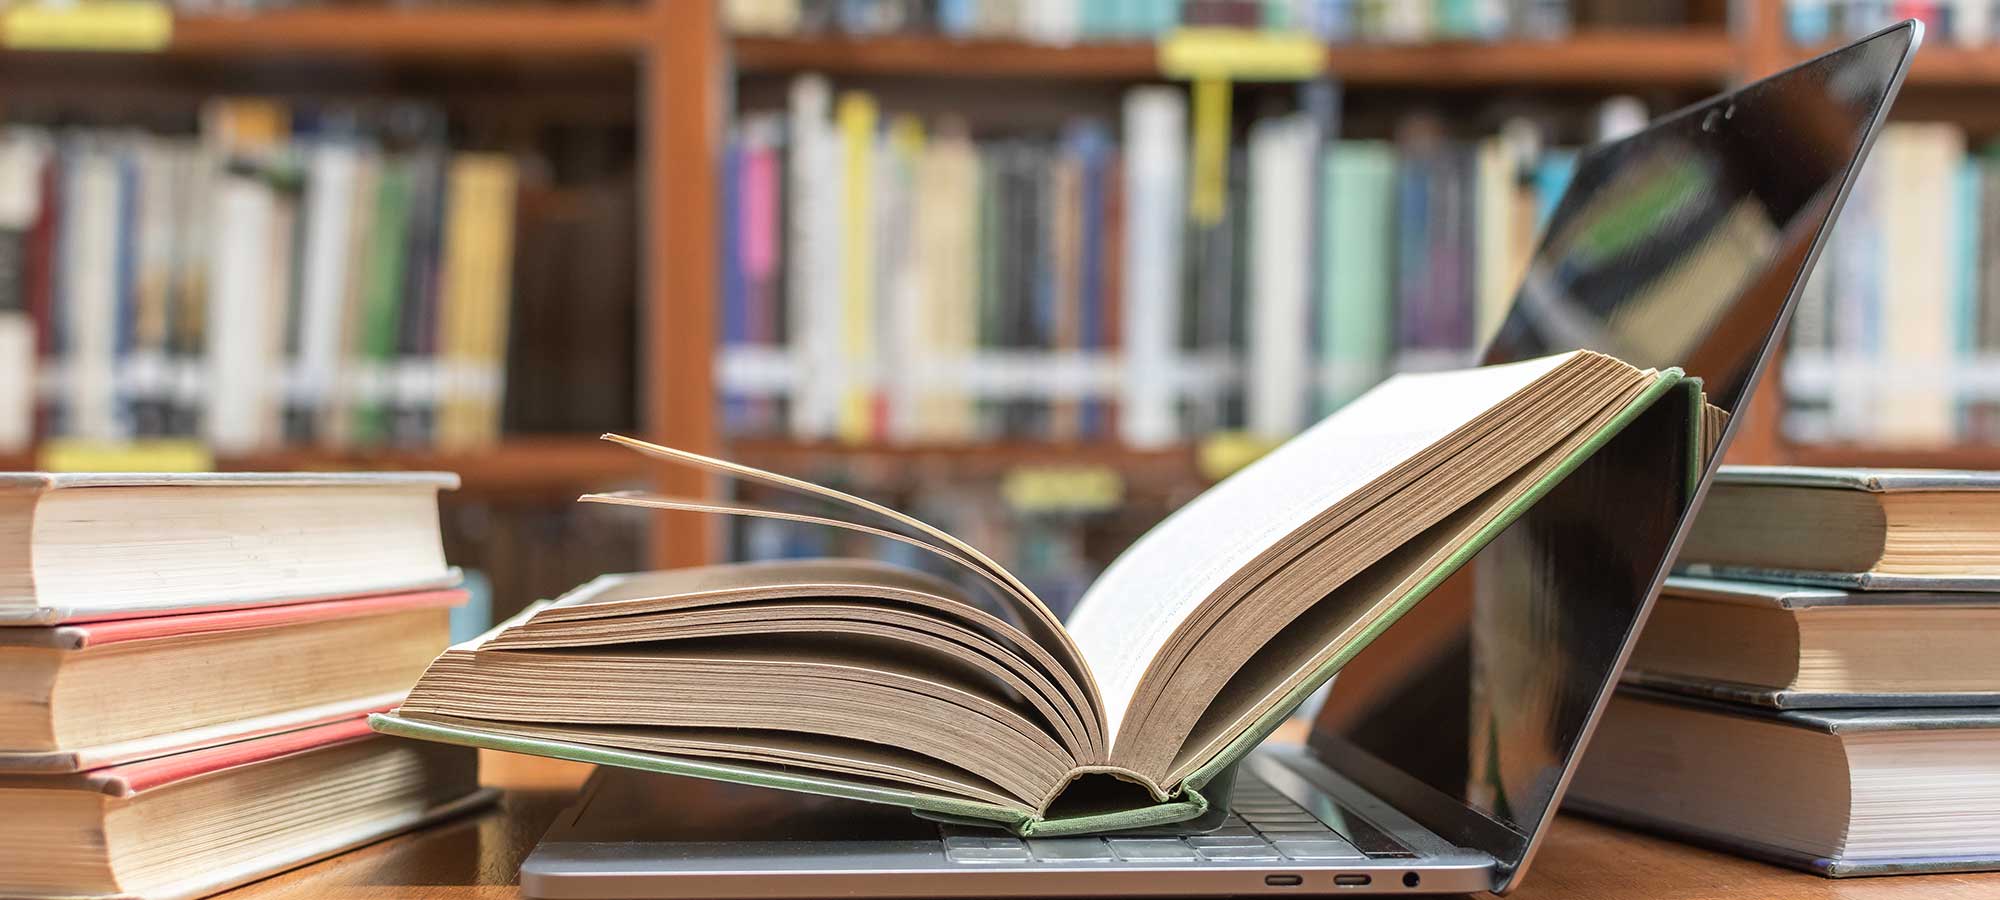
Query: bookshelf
point(686, 71)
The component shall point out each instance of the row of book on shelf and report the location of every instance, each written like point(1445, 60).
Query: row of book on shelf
point(1899, 321)
point(888, 278)
point(1966, 22)
point(326, 277)
point(1076, 21)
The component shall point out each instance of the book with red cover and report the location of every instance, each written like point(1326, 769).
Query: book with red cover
point(194, 823)
point(96, 694)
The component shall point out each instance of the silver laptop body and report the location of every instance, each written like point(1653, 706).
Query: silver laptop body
point(1442, 751)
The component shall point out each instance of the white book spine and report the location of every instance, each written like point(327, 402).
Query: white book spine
point(1280, 327)
point(239, 315)
point(1916, 315)
point(1155, 124)
point(23, 153)
point(813, 278)
point(90, 246)
point(329, 210)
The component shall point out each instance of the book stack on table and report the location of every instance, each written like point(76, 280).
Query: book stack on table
point(1820, 684)
point(186, 667)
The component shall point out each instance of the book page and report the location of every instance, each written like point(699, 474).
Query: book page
point(1128, 614)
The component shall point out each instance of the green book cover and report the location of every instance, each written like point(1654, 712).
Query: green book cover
point(382, 296)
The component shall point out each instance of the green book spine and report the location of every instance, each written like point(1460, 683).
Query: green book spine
point(381, 309)
point(1356, 268)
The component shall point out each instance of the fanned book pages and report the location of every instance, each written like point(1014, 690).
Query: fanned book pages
point(964, 697)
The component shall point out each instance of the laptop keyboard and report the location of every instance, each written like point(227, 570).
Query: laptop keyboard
point(1263, 825)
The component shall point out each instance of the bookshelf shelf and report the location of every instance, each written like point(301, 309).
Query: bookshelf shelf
point(1955, 456)
point(1668, 57)
point(516, 31)
point(572, 463)
point(942, 57)
point(1939, 64)
point(990, 459)
point(551, 462)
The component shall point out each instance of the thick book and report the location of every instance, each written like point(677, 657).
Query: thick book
point(1787, 646)
point(1837, 792)
point(1863, 529)
point(963, 697)
point(81, 547)
point(196, 823)
point(88, 695)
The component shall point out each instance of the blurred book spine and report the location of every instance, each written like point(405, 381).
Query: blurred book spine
point(1898, 326)
point(1083, 21)
point(275, 279)
point(1961, 22)
point(946, 286)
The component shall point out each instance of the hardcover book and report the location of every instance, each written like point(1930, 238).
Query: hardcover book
point(94, 694)
point(1860, 529)
point(1798, 647)
point(1838, 792)
point(196, 823)
point(82, 546)
point(957, 692)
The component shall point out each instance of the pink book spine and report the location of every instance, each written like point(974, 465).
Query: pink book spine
point(131, 778)
point(96, 634)
point(760, 239)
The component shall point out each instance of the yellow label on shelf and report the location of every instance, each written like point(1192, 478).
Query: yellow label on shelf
point(163, 455)
point(1241, 54)
point(1220, 454)
point(1062, 488)
point(128, 25)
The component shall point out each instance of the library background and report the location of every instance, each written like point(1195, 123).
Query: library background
point(1011, 265)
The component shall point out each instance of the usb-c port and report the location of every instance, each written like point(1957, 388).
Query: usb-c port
point(1283, 880)
point(1352, 880)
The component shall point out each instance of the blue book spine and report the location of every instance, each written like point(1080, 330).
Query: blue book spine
point(955, 18)
point(735, 296)
point(128, 286)
point(1092, 144)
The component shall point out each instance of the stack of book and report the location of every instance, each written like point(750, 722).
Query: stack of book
point(186, 665)
point(1820, 687)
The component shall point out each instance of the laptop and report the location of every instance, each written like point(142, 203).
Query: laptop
point(1441, 752)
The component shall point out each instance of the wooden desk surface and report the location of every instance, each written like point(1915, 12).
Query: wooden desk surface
point(476, 857)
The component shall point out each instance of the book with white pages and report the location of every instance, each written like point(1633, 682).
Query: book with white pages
point(962, 696)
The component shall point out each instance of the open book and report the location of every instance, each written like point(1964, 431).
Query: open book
point(965, 698)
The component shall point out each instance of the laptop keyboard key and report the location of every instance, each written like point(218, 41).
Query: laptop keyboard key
point(1069, 850)
point(985, 849)
point(1293, 828)
point(1260, 852)
point(1150, 849)
point(1317, 848)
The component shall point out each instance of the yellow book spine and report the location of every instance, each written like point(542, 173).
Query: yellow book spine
point(856, 117)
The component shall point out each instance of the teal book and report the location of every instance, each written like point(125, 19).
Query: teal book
point(1356, 269)
point(962, 697)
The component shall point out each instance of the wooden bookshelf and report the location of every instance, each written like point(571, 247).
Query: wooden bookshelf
point(1676, 57)
point(1954, 456)
point(574, 464)
point(532, 30)
point(1176, 464)
point(685, 66)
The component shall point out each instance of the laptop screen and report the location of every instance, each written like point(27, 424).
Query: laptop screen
point(1681, 245)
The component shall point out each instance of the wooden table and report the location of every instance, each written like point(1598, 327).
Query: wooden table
point(477, 856)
